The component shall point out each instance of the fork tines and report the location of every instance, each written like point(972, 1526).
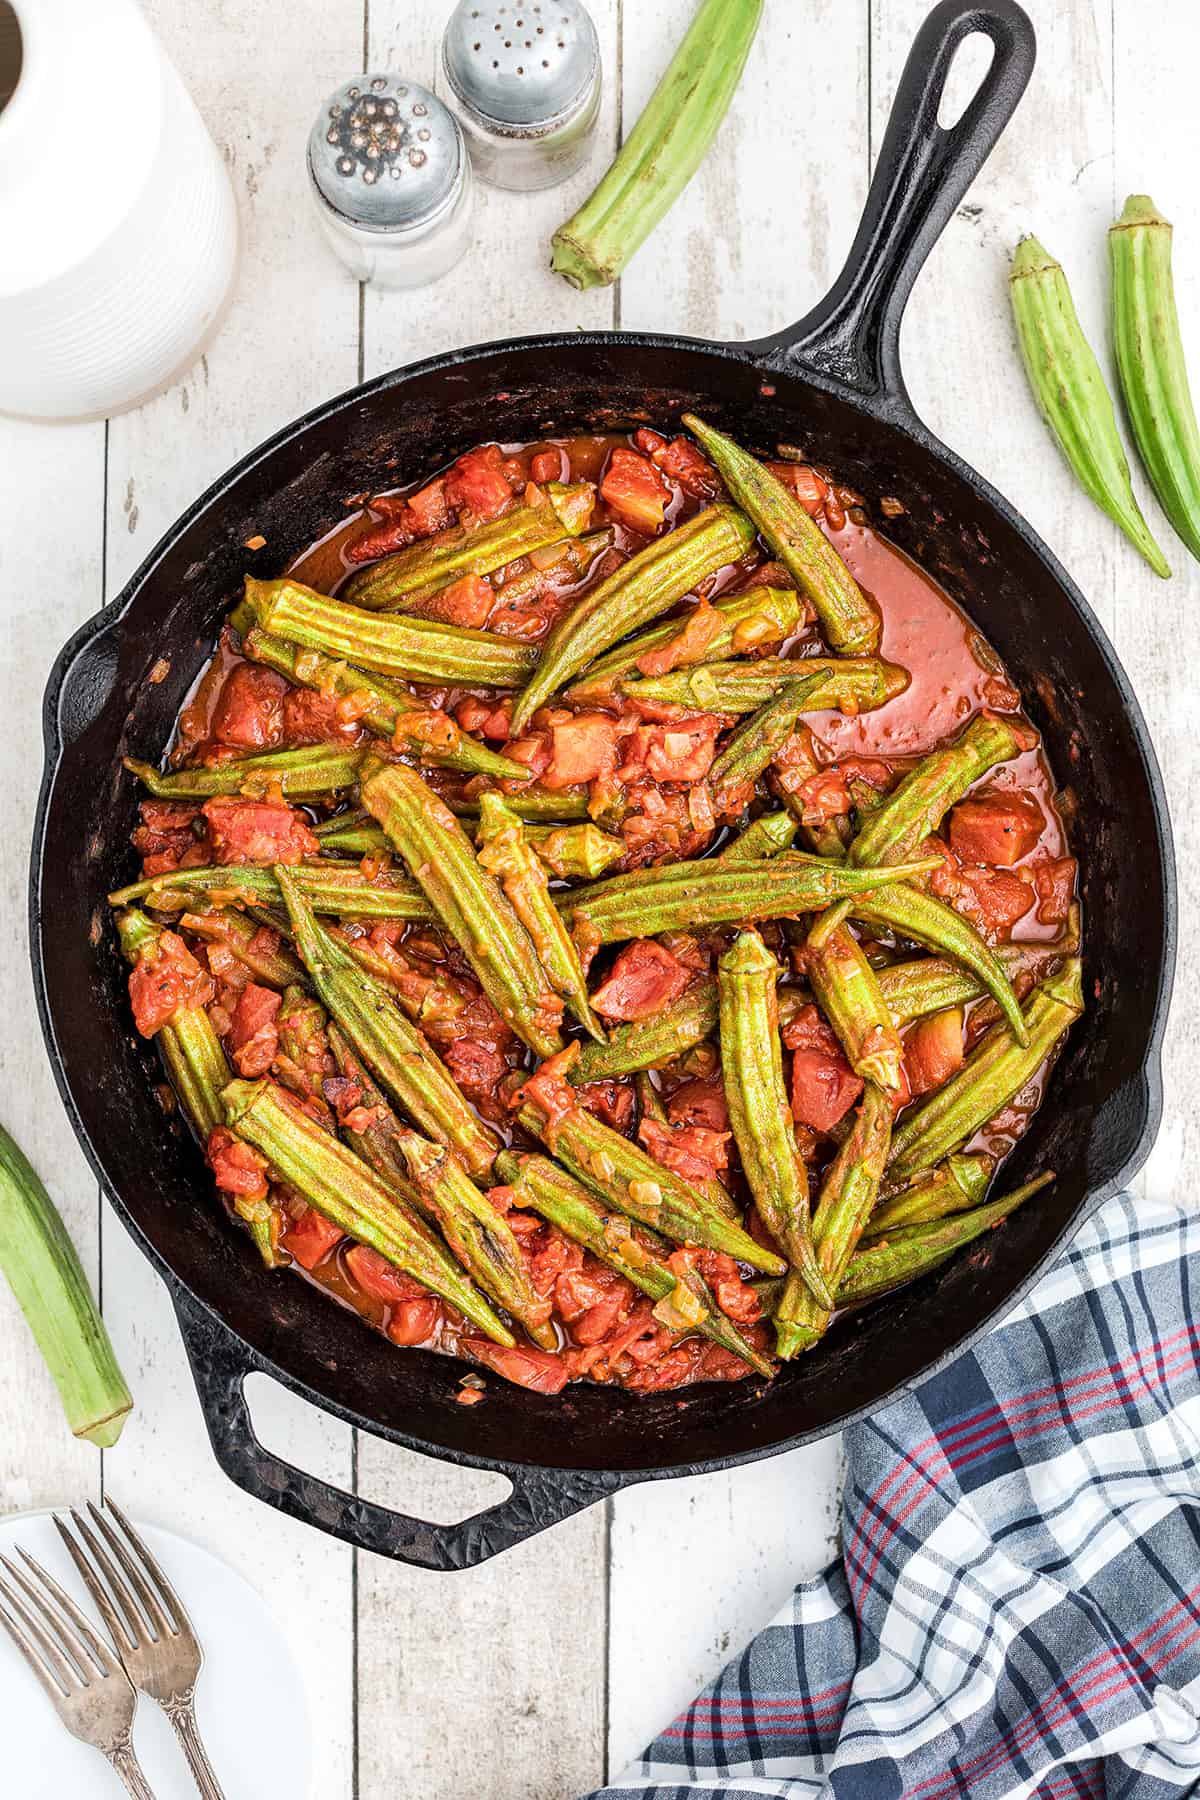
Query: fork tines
point(160, 1614)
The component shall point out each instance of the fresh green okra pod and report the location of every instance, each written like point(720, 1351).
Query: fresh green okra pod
point(387, 644)
point(896, 829)
point(993, 1074)
point(504, 851)
point(914, 1250)
point(752, 1068)
point(350, 1195)
point(635, 1252)
point(926, 920)
point(391, 712)
point(1069, 389)
point(469, 902)
point(307, 774)
point(854, 684)
point(848, 1194)
point(477, 1232)
point(388, 1043)
point(689, 895)
point(846, 988)
point(755, 620)
point(642, 588)
point(432, 563)
point(849, 619)
point(955, 1186)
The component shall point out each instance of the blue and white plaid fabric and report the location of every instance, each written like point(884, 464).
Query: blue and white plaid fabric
point(1017, 1607)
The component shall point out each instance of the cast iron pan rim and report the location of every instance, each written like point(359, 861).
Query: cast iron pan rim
point(891, 409)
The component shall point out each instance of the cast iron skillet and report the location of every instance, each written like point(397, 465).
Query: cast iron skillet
point(833, 382)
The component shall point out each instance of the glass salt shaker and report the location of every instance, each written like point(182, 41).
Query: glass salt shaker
point(523, 79)
point(391, 181)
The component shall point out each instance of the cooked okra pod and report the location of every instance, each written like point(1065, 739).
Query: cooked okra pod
point(341, 1187)
point(763, 837)
point(307, 774)
point(642, 588)
point(954, 1186)
point(926, 920)
point(929, 984)
point(754, 621)
point(648, 1043)
point(898, 827)
point(762, 736)
point(269, 961)
point(635, 1252)
point(846, 988)
point(504, 850)
point(388, 1043)
point(469, 902)
point(916, 1249)
point(852, 685)
point(557, 511)
point(689, 895)
point(387, 644)
point(752, 1067)
point(848, 1194)
point(328, 887)
point(849, 619)
point(994, 1073)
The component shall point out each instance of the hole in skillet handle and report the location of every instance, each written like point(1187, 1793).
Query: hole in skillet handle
point(923, 171)
point(220, 1365)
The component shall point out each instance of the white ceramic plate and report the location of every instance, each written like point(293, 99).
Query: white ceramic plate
point(250, 1701)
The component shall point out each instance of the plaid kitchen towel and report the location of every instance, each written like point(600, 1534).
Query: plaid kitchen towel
point(1016, 1611)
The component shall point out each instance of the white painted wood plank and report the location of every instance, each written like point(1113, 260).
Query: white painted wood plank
point(290, 339)
point(1157, 142)
point(51, 502)
point(450, 1663)
point(751, 244)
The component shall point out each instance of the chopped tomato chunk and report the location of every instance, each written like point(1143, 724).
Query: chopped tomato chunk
point(166, 977)
point(481, 482)
point(992, 899)
point(933, 1051)
point(681, 752)
point(540, 1370)
point(414, 1314)
point(258, 831)
point(312, 718)
point(428, 509)
point(644, 978)
point(681, 461)
point(311, 1237)
point(688, 645)
point(547, 465)
point(581, 749)
point(236, 1167)
point(824, 1086)
point(689, 1151)
point(804, 482)
point(700, 1102)
point(478, 1068)
point(998, 826)
point(1054, 882)
point(611, 1101)
point(249, 708)
point(634, 489)
point(467, 601)
point(253, 1039)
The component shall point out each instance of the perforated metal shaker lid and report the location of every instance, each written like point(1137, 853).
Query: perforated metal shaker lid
point(385, 153)
point(521, 62)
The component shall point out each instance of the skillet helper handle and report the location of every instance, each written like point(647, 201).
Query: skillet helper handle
point(922, 173)
point(220, 1365)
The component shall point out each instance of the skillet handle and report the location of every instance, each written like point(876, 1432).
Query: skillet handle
point(220, 1364)
point(921, 175)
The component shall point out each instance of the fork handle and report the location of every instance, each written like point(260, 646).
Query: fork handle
point(124, 1761)
point(182, 1714)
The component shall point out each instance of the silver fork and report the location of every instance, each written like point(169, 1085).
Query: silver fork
point(158, 1647)
point(85, 1683)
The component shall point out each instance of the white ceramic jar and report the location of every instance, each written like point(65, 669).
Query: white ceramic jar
point(118, 224)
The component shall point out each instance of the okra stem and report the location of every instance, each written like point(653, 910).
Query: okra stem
point(341, 1187)
point(763, 837)
point(752, 1068)
point(642, 588)
point(635, 1252)
point(849, 620)
point(469, 902)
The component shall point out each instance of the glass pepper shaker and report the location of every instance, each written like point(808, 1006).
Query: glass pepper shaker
point(391, 181)
point(523, 79)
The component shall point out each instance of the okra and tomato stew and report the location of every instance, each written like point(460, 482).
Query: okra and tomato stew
point(605, 913)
